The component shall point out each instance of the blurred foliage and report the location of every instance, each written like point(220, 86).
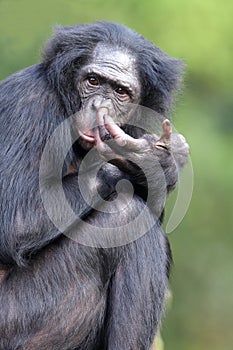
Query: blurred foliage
point(200, 32)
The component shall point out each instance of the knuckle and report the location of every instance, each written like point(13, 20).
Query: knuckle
point(101, 148)
point(121, 141)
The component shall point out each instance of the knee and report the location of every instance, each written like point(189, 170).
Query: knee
point(119, 221)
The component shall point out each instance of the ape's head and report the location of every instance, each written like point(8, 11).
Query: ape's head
point(108, 65)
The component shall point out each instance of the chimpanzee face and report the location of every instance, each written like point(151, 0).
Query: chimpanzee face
point(109, 80)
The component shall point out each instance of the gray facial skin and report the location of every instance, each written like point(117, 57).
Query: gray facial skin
point(110, 80)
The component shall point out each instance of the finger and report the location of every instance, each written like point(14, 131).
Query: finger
point(122, 139)
point(114, 130)
point(165, 139)
point(104, 134)
point(100, 115)
point(103, 148)
point(167, 130)
point(108, 155)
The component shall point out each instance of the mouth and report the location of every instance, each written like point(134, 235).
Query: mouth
point(87, 136)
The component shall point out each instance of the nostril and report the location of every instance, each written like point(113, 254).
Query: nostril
point(97, 103)
point(93, 105)
point(103, 111)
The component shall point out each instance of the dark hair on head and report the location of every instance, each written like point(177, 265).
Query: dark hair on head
point(160, 75)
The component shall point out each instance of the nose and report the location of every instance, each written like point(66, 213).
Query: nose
point(101, 102)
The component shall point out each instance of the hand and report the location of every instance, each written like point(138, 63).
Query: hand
point(141, 158)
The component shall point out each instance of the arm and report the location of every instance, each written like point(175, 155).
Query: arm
point(152, 163)
point(29, 114)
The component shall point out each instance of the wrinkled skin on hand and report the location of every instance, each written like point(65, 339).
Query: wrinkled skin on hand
point(151, 162)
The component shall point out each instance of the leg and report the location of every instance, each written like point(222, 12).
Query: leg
point(72, 296)
point(137, 291)
point(58, 302)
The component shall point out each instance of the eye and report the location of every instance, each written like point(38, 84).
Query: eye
point(92, 80)
point(120, 90)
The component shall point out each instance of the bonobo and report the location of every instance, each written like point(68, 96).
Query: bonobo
point(87, 129)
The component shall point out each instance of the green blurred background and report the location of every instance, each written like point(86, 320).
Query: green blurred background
point(200, 32)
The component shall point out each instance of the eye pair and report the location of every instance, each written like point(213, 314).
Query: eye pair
point(94, 81)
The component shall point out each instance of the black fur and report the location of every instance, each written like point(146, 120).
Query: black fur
point(56, 294)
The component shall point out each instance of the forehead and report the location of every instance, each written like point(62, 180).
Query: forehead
point(114, 64)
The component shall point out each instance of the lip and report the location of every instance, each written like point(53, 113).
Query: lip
point(87, 137)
